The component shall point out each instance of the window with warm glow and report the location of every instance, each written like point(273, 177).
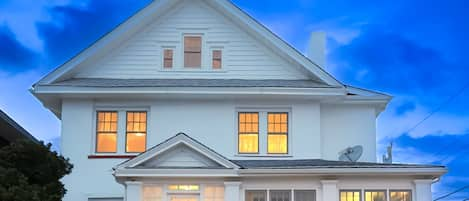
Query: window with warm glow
point(216, 59)
point(136, 131)
point(168, 58)
point(277, 133)
point(256, 195)
point(400, 195)
point(183, 187)
point(214, 193)
point(248, 132)
point(350, 196)
point(192, 51)
point(106, 132)
point(152, 193)
point(375, 195)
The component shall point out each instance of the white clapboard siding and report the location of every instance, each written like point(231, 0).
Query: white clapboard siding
point(243, 56)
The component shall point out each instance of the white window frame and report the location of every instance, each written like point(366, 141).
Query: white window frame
point(263, 131)
point(162, 49)
point(289, 188)
point(121, 129)
point(223, 59)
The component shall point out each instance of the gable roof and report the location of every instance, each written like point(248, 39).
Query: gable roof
point(11, 131)
point(178, 139)
point(157, 8)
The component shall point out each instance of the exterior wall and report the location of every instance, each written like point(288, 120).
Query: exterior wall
point(243, 56)
point(89, 178)
point(345, 126)
point(313, 133)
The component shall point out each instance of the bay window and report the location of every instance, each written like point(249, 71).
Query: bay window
point(371, 195)
point(400, 195)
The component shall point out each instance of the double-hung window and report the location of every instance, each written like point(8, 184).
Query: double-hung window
point(136, 132)
point(168, 55)
point(277, 132)
point(216, 59)
point(248, 132)
point(106, 132)
point(110, 129)
point(192, 51)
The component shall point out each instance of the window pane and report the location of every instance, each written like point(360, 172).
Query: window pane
point(277, 144)
point(400, 195)
point(214, 193)
point(248, 132)
point(375, 195)
point(192, 51)
point(305, 195)
point(106, 132)
point(277, 133)
point(216, 59)
point(350, 196)
point(168, 58)
point(152, 193)
point(280, 195)
point(136, 131)
point(256, 195)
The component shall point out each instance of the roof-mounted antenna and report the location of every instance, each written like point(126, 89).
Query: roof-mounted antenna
point(388, 158)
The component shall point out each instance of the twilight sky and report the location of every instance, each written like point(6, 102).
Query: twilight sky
point(414, 50)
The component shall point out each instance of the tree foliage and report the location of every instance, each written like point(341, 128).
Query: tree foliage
point(31, 171)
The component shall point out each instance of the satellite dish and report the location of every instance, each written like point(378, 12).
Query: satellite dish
point(351, 154)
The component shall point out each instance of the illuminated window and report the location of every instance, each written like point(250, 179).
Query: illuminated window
point(192, 51)
point(277, 133)
point(248, 132)
point(168, 58)
point(375, 195)
point(280, 195)
point(136, 131)
point(214, 193)
point(256, 195)
point(395, 195)
point(305, 195)
point(106, 132)
point(350, 195)
point(152, 193)
point(183, 187)
point(216, 59)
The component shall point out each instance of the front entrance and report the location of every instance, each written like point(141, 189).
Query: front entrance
point(184, 198)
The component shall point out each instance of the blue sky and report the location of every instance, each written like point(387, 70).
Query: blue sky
point(414, 50)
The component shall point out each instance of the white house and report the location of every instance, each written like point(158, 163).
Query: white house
point(193, 100)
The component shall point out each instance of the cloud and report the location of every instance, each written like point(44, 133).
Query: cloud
point(404, 108)
point(76, 27)
point(14, 56)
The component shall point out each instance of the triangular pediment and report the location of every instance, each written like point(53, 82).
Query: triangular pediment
point(179, 152)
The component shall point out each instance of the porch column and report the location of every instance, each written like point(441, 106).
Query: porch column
point(329, 190)
point(232, 190)
point(133, 191)
point(423, 189)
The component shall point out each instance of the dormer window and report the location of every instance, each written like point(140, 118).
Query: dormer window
point(192, 51)
point(168, 58)
point(216, 59)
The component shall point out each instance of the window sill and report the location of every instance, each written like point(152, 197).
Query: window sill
point(193, 70)
point(110, 156)
point(264, 155)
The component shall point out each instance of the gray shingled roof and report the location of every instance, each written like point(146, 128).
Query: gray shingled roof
point(101, 82)
point(319, 163)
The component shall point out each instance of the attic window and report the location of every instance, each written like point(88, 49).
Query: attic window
point(216, 59)
point(192, 51)
point(168, 58)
